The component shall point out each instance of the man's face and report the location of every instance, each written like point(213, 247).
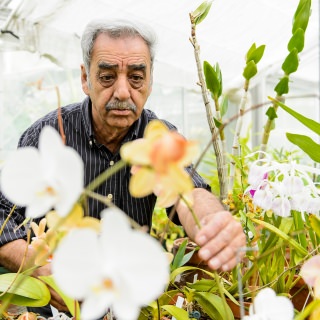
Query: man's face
point(119, 82)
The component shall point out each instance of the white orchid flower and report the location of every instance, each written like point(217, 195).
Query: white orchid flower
point(283, 187)
point(122, 269)
point(44, 178)
point(268, 306)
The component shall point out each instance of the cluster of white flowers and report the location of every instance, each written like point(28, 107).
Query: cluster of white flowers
point(282, 187)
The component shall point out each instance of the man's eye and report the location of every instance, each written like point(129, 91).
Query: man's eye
point(106, 80)
point(136, 80)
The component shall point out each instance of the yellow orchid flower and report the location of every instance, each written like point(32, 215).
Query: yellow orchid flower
point(75, 219)
point(158, 161)
point(44, 242)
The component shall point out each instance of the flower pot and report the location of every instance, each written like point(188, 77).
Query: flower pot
point(236, 310)
point(195, 261)
point(300, 296)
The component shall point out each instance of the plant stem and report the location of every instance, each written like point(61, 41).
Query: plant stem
point(106, 175)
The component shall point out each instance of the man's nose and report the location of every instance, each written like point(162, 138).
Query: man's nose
point(122, 89)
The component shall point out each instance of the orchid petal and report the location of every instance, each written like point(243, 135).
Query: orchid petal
point(20, 177)
point(268, 305)
point(310, 270)
point(73, 261)
point(142, 182)
point(281, 207)
point(136, 152)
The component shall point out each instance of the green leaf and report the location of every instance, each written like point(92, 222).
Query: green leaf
point(176, 312)
point(180, 257)
point(250, 70)
point(283, 86)
point(180, 270)
point(271, 113)
point(315, 223)
point(297, 41)
point(213, 306)
point(201, 12)
point(311, 148)
point(254, 53)
point(301, 16)
point(212, 78)
point(282, 235)
point(308, 122)
point(224, 105)
point(70, 303)
point(291, 62)
point(26, 290)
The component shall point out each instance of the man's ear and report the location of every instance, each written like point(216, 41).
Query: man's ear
point(84, 80)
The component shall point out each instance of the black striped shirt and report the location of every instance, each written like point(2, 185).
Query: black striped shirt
point(77, 124)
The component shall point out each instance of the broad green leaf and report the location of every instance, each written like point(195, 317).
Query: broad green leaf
point(250, 70)
point(283, 86)
point(180, 270)
point(297, 41)
point(315, 223)
point(213, 305)
point(305, 143)
point(204, 285)
point(250, 52)
point(301, 16)
point(180, 257)
point(308, 122)
point(201, 12)
point(70, 303)
point(176, 312)
point(26, 290)
point(291, 62)
point(211, 78)
point(255, 54)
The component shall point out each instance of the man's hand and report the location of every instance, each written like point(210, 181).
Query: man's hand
point(56, 300)
point(220, 238)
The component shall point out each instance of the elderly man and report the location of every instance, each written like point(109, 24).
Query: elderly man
point(116, 76)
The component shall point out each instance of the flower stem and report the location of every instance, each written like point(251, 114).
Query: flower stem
point(106, 175)
point(216, 276)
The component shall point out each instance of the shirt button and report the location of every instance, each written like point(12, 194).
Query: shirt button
point(109, 196)
point(111, 163)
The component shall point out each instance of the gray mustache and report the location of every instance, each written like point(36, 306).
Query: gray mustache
point(120, 105)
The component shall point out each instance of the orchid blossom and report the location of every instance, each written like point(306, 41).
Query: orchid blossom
point(283, 187)
point(40, 179)
point(158, 161)
point(43, 243)
point(121, 269)
point(75, 219)
point(267, 305)
point(310, 272)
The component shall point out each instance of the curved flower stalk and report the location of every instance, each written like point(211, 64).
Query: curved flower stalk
point(267, 305)
point(158, 161)
point(283, 187)
point(40, 179)
point(111, 270)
